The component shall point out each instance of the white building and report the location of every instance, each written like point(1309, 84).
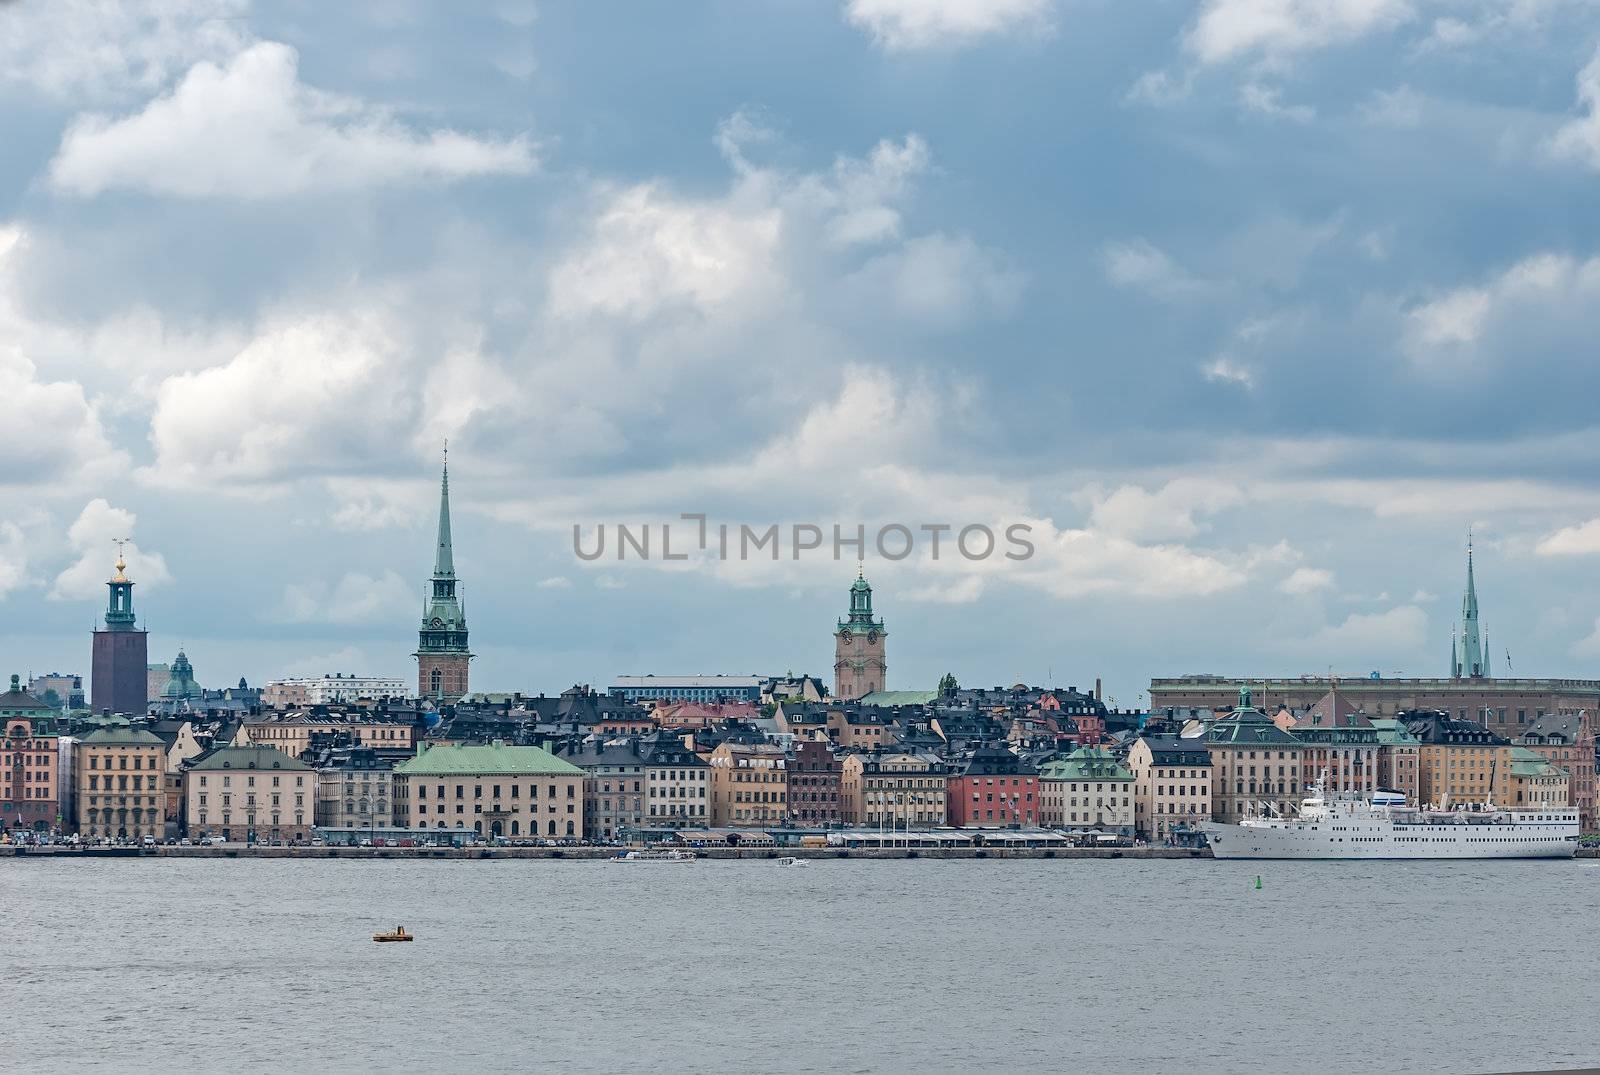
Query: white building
point(330, 689)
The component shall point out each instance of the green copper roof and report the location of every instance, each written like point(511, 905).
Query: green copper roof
point(1085, 763)
point(487, 761)
point(122, 736)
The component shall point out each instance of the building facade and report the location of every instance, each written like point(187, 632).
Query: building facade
point(1399, 764)
point(120, 774)
point(1339, 746)
point(687, 688)
point(1567, 741)
point(355, 789)
point(993, 788)
point(498, 790)
point(860, 666)
point(749, 785)
point(894, 789)
point(331, 689)
point(677, 783)
point(118, 677)
point(1172, 785)
point(1459, 761)
point(1255, 765)
point(815, 773)
point(1087, 789)
point(30, 790)
point(252, 793)
point(443, 656)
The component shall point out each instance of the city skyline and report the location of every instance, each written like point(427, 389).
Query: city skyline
point(1216, 327)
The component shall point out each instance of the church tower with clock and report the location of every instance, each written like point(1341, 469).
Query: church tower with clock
point(442, 654)
point(859, 665)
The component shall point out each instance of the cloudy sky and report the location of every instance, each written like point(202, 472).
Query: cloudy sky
point(1249, 308)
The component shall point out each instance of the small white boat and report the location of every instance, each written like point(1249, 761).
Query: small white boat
point(655, 856)
point(790, 860)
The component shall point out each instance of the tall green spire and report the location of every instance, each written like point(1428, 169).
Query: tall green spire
point(444, 562)
point(1468, 656)
point(444, 621)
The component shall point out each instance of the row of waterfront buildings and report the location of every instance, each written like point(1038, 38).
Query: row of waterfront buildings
point(586, 766)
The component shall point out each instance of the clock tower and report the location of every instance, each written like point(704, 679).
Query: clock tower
point(859, 665)
point(442, 654)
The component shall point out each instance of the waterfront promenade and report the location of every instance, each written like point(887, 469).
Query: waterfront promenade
point(594, 854)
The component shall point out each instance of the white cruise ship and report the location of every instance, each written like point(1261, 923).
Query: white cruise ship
point(1384, 827)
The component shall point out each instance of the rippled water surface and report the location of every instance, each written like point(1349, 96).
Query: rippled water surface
point(840, 967)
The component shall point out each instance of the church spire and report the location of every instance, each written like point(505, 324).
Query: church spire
point(1467, 654)
point(444, 563)
point(442, 649)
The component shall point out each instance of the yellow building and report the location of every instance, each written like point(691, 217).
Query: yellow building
point(749, 784)
point(119, 782)
point(1458, 761)
point(893, 788)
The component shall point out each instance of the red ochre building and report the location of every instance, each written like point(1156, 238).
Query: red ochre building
point(993, 788)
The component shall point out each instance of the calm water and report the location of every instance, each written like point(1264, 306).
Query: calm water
point(840, 967)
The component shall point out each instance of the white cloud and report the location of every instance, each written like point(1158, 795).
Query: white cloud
point(1579, 139)
point(1580, 540)
point(907, 25)
point(1588, 647)
point(1225, 370)
point(355, 598)
point(49, 431)
point(1268, 101)
point(1399, 107)
point(76, 49)
point(252, 130)
point(1374, 635)
point(91, 536)
point(649, 250)
point(1160, 88)
point(1073, 563)
point(13, 558)
point(555, 582)
point(286, 404)
point(610, 582)
point(1546, 290)
point(1305, 580)
point(1139, 263)
point(938, 281)
point(1131, 511)
point(1227, 30)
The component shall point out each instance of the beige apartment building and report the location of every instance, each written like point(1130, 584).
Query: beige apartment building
point(1087, 789)
point(749, 784)
point(1171, 785)
point(253, 793)
point(1255, 765)
point(893, 788)
point(496, 790)
point(119, 779)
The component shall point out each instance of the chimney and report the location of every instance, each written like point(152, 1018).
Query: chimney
point(1097, 688)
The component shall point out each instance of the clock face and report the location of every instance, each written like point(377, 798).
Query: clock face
point(844, 639)
point(872, 636)
point(437, 622)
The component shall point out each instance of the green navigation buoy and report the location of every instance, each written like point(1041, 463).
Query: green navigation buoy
point(1258, 882)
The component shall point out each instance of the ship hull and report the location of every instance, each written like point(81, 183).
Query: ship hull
point(1376, 839)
